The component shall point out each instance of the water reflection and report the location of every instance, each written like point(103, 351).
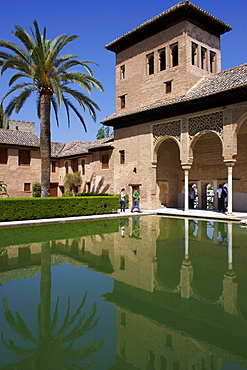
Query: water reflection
point(180, 289)
point(53, 347)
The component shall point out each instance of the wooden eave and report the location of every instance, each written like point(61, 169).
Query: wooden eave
point(183, 107)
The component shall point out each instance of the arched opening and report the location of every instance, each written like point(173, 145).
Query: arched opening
point(169, 174)
point(239, 169)
point(193, 196)
point(208, 168)
point(209, 196)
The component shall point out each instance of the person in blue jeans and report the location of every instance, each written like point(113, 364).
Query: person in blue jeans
point(136, 201)
point(122, 201)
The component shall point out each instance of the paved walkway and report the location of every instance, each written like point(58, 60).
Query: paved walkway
point(174, 212)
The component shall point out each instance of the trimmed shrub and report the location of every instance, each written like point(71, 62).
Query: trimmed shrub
point(93, 195)
point(37, 208)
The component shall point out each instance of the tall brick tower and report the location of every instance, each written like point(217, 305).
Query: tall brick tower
point(165, 56)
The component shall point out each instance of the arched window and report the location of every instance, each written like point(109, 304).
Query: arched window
point(174, 54)
point(66, 165)
point(83, 167)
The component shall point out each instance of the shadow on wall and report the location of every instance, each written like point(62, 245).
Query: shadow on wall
point(96, 184)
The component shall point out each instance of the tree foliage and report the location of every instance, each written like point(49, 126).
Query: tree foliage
point(71, 182)
point(103, 132)
point(39, 68)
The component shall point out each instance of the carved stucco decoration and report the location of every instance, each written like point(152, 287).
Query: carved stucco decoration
point(172, 128)
point(213, 121)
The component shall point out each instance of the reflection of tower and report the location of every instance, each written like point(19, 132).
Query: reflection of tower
point(230, 287)
point(186, 271)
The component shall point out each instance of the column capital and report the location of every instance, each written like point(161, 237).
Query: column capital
point(186, 166)
point(229, 162)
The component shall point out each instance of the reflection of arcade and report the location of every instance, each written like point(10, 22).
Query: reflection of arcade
point(151, 326)
point(178, 303)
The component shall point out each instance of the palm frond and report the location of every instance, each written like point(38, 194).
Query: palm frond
point(55, 108)
point(20, 351)
point(21, 99)
point(57, 90)
point(16, 49)
point(24, 37)
point(55, 315)
point(23, 330)
point(16, 76)
point(18, 87)
point(76, 112)
point(15, 63)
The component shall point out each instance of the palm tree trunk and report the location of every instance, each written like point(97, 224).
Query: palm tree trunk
point(45, 143)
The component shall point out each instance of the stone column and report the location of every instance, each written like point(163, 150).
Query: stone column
point(186, 169)
point(154, 195)
point(229, 232)
point(229, 164)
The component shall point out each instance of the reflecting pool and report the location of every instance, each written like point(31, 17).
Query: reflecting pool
point(148, 293)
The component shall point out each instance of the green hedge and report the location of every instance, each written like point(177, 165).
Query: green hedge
point(56, 231)
point(37, 208)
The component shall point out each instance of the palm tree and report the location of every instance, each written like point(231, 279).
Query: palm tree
point(3, 118)
point(44, 71)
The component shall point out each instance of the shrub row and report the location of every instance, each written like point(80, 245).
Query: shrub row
point(14, 209)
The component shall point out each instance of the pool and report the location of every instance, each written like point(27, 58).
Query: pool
point(141, 292)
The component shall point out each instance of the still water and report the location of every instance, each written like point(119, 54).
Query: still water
point(148, 293)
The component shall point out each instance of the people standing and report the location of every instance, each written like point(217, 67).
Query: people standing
point(221, 198)
point(192, 196)
point(122, 200)
point(136, 198)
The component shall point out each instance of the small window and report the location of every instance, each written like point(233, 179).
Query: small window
point(53, 166)
point(74, 165)
point(150, 64)
point(66, 165)
point(122, 101)
point(194, 54)
point(105, 161)
point(212, 62)
point(203, 58)
point(3, 155)
point(168, 87)
point(162, 59)
point(122, 72)
point(122, 156)
point(24, 157)
point(27, 186)
point(174, 54)
point(83, 167)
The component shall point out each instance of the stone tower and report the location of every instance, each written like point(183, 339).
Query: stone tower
point(165, 56)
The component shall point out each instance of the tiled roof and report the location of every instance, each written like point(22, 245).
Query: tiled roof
point(58, 150)
point(221, 81)
point(15, 137)
point(227, 80)
point(77, 147)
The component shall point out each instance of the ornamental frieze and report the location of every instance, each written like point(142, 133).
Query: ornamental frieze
point(213, 121)
point(172, 128)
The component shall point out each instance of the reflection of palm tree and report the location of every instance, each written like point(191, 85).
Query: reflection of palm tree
point(53, 349)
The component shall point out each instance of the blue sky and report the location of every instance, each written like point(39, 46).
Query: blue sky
point(97, 23)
